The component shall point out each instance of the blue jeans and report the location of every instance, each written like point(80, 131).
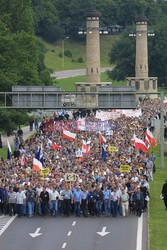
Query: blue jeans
point(107, 207)
point(114, 206)
point(77, 208)
point(30, 208)
point(98, 207)
point(20, 209)
point(53, 207)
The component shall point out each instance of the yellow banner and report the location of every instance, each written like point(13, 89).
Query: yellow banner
point(124, 169)
point(45, 172)
point(112, 148)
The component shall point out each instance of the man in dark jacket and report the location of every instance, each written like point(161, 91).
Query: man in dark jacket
point(139, 200)
point(44, 197)
point(164, 193)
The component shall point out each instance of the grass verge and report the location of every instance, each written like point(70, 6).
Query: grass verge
point(158, 214)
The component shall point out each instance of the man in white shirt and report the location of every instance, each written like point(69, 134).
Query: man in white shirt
point(53, 197)
point(20, 199)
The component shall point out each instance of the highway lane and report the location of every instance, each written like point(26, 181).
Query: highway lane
point(74, 72)
point(73, 233)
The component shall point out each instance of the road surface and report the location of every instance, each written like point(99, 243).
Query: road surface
point(75, 234)
point(74, 72)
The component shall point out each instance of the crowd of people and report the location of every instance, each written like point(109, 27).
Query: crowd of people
point(100, 187)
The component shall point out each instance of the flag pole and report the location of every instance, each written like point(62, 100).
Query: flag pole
point(162, 132)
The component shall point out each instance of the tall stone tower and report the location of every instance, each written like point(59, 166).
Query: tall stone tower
point(141, 47)
point(92, 47)
point(93, 82)
point(142, 82)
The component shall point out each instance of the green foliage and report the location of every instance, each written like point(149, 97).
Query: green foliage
point(122, 56)
point(11, 119)
point(68, 53)
point(21, 55)
point(46, 20)
point(80, 60)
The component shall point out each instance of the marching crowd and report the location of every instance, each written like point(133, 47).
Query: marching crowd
point(100, 187)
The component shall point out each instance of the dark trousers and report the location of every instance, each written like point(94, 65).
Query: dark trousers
point(91, 207)
point(84, 207)
point(138, 207)
point(114, 207)
point(20, 209)
point(44, 208)
point(165, 201)
point(67, 207)
point(12, 209)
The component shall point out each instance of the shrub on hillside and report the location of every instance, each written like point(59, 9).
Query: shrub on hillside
point(68, 53)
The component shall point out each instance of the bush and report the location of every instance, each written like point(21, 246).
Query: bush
point(60, 54)
point(80, 60)
point(72, 60)
point(68, 53)
point(53, 50)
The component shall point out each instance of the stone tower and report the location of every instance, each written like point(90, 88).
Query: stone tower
point(142, 82)
point(141, 47)
point(92, 47)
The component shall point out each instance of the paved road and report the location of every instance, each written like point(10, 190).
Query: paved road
point(82, 234)
point(26, 134)
point(73, 73)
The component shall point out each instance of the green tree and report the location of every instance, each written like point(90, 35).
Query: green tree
point(122, 57)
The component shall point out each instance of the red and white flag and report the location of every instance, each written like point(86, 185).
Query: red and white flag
point(85, 148)
point(101, 138)
point(68, 135)
point(151, 138)
point(37, 165)
point(54, 146)
point(165, 103)
point(139, 144)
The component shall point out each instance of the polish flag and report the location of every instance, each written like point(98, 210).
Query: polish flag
point(147, 142)
point(85, 148)
point(139, 144)
point(54, 146)
point(37, 165)
point(165, 103)
point(68, 135)
point(151, 138)
point(101, 138)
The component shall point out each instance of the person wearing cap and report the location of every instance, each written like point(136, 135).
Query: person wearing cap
point(164, 193)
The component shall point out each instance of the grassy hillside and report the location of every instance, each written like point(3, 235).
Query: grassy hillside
point(68, 83)
point(78, 50)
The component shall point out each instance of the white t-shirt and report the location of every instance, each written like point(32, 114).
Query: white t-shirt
point(20, 197)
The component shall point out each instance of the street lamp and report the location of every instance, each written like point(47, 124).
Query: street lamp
point(62, 47)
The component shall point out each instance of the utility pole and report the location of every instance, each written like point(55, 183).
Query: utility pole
point(62, 49)
point(162, 132)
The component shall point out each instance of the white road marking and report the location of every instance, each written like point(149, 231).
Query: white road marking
point(74, 222)
point(103, 232)
point(69, 233)
point(36, 233)
point(8, 222)
point(64, 245)
point(139, 233)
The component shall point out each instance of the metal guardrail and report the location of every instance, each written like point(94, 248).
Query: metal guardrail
point(69, 100)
